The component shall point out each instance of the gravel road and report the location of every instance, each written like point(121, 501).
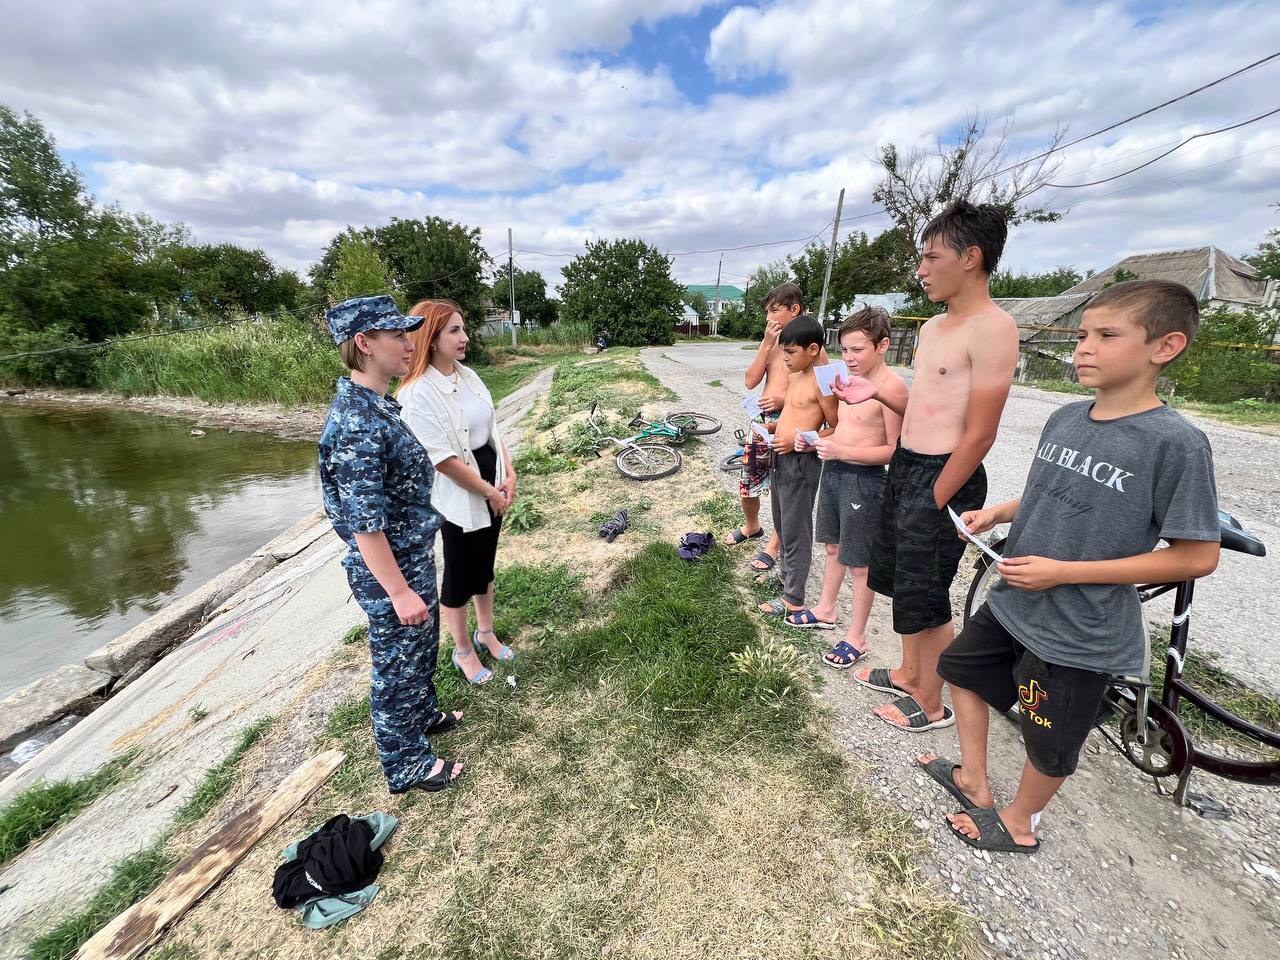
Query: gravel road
point(1122, 870)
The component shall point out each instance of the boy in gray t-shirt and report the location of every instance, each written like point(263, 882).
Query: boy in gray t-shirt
point(1111, 478)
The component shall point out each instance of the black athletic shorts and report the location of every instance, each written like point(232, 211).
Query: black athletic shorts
point(1058, 704)
point(917, 550)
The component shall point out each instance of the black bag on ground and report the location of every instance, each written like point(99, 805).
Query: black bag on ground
point(335, 859)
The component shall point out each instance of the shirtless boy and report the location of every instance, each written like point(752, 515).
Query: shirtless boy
point(963, 370)
point(796, 474)
point(782, 304)
point(853, 481)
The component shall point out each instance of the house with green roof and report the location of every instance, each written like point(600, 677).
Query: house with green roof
point(728, 294)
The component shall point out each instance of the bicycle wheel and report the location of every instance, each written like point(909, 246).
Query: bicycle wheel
point(732, 463)
point(648, 461)
point(983, 579)
point(698, 424)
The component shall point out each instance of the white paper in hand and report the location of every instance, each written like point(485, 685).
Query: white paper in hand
point(763, 433)
point(751, 404)
point(827, 374)
point(809, 436)
point(979, 543)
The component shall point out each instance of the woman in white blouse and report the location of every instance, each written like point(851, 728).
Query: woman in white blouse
point(450, 411)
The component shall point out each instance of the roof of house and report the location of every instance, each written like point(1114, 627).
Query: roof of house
point(1210, 274)
point(1036, 312)
point(727, 291)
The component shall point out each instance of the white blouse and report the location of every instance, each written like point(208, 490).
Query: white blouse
point(434, 409)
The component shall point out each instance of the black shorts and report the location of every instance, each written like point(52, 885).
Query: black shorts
point(469, 557)
point(849, 509)
point(1058, 705)
point(916, 550)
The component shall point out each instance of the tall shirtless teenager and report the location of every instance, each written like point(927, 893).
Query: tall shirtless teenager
point(963, 370)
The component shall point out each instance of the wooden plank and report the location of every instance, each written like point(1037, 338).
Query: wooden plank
point(141, 925)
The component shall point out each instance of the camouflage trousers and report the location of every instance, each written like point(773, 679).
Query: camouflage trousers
point(402, 696)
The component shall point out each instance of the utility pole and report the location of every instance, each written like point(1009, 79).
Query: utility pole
point(715, 316)
point(831, 258)
point(511, 280)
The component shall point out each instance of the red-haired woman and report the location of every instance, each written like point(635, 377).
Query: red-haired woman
point(450, 411)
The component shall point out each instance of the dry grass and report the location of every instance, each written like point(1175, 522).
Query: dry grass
point(659, 783)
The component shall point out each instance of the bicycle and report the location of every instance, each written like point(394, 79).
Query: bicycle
point(1151, 734)
point(642, 459)
point(734, 462)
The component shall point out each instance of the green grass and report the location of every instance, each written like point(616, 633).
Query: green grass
point(219, 781)
point(1249, 412)
point(41, 808)
point(1058, 386)
point(197, 713)
point(609, 381)
point(131, 880)
point(357, 634)
point(721, 510)
point(511, 371)
point(524, 516)
point(714, 383)
point(535, 461)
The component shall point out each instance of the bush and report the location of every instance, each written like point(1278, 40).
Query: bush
point(70, 368)
point(1215, 373)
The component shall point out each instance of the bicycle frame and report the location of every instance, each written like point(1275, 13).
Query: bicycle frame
point(624, 441)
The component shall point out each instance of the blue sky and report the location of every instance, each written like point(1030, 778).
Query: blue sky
point(696, 126)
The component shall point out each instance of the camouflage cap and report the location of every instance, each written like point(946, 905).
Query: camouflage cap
point(367, 313)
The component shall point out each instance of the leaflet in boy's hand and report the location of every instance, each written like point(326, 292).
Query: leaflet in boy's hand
point(808, 436)
point(751, 404)
point(762, 432)
point(827, 374)
point(978, 542)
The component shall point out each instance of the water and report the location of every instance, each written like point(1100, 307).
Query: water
point(105, 516)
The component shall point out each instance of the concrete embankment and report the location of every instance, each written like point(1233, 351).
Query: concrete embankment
point(255, 649)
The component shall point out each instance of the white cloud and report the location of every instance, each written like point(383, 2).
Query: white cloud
point(278, 123)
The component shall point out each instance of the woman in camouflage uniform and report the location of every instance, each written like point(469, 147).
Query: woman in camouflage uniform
point(376, 480)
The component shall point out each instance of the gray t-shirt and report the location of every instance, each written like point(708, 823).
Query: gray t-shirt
point(1103, 490)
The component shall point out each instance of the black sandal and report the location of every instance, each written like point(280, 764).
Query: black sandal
point(446, 723)
point(436, 782)
point(995, 836)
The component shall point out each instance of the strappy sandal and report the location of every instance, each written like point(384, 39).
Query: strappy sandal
point(446, 723)
point(484, 676)
point(504, 653)
point(437, 781)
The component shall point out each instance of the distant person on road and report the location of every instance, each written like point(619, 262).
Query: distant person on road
point(376, 482)
point(451, 412)
point(853, 482)
point(1112, 476)
point(963, 371)
point(796, 472)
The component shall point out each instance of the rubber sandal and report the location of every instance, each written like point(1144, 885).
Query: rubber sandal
point(763, 558)
point(776, 609)
point(446, 723)
point(944, 772)
point(995, 836)
point(433, 784)
point(505, 653)
point(740, 538)
point(917, 720)
point(881, 679)
point(850, 655)
point(806, 620)
point(484, 676)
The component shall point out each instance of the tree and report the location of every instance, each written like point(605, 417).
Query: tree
point(1005, 284)
point(697, 302)
point(39, 194)
point(532, 302)
point(358, 269)
point(426, 259)
point(1267, 257)
point(763, 279)
point(623, 287)
point(862, 266)
point(918, 185)
point(223, 280)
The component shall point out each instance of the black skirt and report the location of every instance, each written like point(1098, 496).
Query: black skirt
point(469, 557)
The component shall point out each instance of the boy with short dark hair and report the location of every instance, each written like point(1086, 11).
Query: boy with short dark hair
point(853, 481)
point(1112, 477)
point(796, 474)
point(782, 305)
point(963, 371)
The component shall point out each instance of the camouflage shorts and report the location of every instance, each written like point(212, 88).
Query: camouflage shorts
point(757, 458)
point(916, 551)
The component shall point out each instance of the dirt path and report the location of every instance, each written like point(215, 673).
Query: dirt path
point(1122, 871)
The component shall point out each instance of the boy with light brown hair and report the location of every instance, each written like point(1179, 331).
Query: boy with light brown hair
point(963, 371)
point(853, 482)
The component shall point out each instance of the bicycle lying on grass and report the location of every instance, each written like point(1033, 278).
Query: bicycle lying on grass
point(649, 454)
point(1151, 733)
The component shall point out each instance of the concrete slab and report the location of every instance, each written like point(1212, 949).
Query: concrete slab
point(69, 689)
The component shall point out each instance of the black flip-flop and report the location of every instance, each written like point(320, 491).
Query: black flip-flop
point(446, 723)
point(995, 837)
point(435, 783)
point(881, 679)
point(917, 720)
point(944, 771)
point(739, 537)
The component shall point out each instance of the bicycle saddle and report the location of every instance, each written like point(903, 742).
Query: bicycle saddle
point(1236, 537)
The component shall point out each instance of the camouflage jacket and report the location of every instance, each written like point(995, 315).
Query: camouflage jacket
point(374, 474)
